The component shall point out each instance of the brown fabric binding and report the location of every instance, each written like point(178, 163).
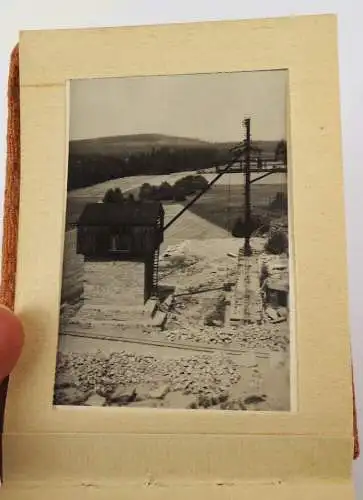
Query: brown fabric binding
point(11, 208)
point(12, 187)
point(11, 211)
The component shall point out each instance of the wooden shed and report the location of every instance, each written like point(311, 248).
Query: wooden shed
point(131, 230)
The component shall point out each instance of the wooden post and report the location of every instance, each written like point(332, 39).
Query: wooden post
point(248, 222)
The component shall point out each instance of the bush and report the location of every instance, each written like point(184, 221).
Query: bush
point(182, 188)
point(179, 194)
point(199, 182)
point(108, 197)
point(279, 202)
point(118, 196)
point(165, 192)
point(146, 191)
point(242, 230)
point(277, 243)
point(113, 196)
point(191, 184)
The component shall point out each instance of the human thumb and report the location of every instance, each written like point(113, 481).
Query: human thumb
point(11, 341)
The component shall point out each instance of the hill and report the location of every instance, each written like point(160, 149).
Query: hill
point(124, 145)
point(92, 161)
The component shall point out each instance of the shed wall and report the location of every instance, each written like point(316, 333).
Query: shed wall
point(73, 269)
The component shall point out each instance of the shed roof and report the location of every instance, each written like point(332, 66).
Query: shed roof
point(128, 213)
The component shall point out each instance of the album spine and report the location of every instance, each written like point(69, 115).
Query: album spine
point(11, 210)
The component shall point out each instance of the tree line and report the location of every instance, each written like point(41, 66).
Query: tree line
point(87, 170)
point(179, 191)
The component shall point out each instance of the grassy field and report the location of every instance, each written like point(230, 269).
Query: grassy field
point(222, 205)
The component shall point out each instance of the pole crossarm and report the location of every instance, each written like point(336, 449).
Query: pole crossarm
point(266, 174)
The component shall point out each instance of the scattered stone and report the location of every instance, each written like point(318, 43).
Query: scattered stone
point(143, 391)
point(95, 400)
point(283, 312)
point(272, 313)
point(145, 377)
point(212, 400)
point(254, 400)
point(234, 404)
point(159, 392)
point(105, 387)
point(263, 406)
point(204, 401)
point(70, 396)
point(65, 380)
point(123, 395)
point(223, 397)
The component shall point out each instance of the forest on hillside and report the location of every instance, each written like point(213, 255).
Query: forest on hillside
point(86, 169)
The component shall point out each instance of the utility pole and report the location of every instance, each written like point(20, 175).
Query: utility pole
point(248, 222)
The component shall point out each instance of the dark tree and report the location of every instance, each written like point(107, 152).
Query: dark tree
point(146, 191)
point(281, 151)
point(118, 196)
point(109, 196)
point(166, 192)
point(277, 243)
point(280, 202)
point(113, 196)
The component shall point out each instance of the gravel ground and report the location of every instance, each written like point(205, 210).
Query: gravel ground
point(197, 314)
point(198, 271)
point(267, 337)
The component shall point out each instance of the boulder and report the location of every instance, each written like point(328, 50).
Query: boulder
point(143, 391)
point(70, 396)
point(123, 395)
point(235, 404)
point(160, 392)
point(272, 313)
point(254, 399)
point(95, 400)
point(283, 312)
point(65, 380)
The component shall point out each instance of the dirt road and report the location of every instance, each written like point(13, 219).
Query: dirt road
point(189, 227)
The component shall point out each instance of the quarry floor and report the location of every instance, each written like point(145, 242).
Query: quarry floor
point(196, 361)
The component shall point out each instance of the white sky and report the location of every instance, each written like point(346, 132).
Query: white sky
point(203, 106)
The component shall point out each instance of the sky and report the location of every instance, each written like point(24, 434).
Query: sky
point(204, 106)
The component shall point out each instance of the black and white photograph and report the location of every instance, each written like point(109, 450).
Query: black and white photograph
point(175, 290)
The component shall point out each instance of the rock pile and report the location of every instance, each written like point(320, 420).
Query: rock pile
point(83, 371)
point(198, 310)
point(253, 337)
point(124, 378)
